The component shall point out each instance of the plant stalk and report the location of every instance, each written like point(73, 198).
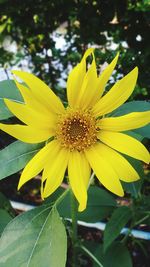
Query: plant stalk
point(74, 229)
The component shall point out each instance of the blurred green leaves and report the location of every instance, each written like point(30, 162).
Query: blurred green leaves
point(117, 25)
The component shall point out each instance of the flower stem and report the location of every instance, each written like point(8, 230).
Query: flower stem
point(74, 229)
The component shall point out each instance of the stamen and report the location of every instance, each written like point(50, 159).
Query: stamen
point(76, 130)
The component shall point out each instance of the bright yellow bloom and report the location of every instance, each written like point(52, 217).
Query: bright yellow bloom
point(83, 138)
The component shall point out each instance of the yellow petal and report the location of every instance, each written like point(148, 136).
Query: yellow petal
point(41, 91)
point(125, 144)
point(121, 166)
point(75, 79)
point(37, 163)
point(126, 122)
point(105, 75)
point(25, 133)
point(92, 86)
point(79, 174)
point(30, 116)
point(117, 95)
point(103, 170)
point(89, 93)
point(54, 170)
point(31, 101)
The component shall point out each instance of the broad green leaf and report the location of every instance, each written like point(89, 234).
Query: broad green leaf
point(100, 204)
point(135, 106)
point(15, 156)
point(35, 238)
point(117, 255)
point(132, 106)
point(8, 90)
point(118, 220)
point(144, 131)
point(5, 218)
point(134, 135)
point(133, 188)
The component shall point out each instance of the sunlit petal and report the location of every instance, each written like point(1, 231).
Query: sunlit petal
point(25, 133)
point(79, 174)
point(89, 94)
point(103, 170)
point(121, 166)
point(105, 75)
point(31, 117)
point(54, 170)
point(37, 163)
point(125, 144)
point(93, 86)
point(31, 101)
point(41, 91)
point(75, 79)
point(117, 95)
point(127, 122)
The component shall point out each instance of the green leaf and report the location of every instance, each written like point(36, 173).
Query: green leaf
point(5, 219)
point(115, 224)
point(100, 204)
point(5, 204)
point(15, 156)
point(135, 106)
point(134, 187)
point(134, 135)
point(132, 106)
point(35, 238)
point(117, 255)
point(144, 131)
point(9, 90)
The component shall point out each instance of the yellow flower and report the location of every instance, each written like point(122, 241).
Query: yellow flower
point(83, 138)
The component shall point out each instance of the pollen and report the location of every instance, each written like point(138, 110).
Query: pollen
point(76, 130)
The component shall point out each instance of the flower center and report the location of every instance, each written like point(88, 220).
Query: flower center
point(76, 130)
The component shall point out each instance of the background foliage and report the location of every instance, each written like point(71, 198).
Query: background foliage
point(39, 27)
